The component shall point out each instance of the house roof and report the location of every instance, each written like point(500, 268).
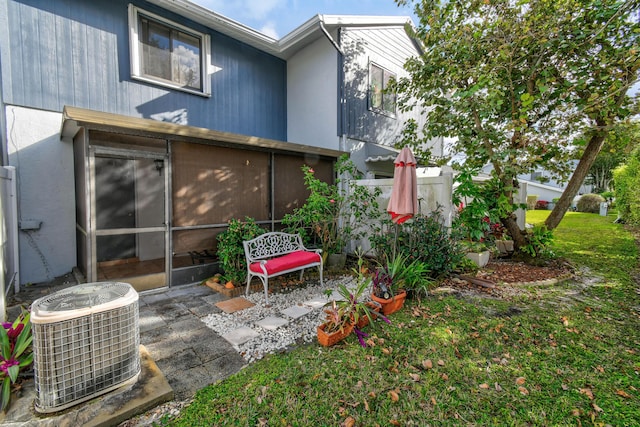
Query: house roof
point(288, 45)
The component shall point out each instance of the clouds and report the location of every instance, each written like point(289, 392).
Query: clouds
point(276, 18)
point(258, 14)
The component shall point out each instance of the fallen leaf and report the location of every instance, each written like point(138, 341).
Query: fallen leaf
point(497, 387)
point(348, 422)
point(433, 401)
point(372, 394)
point(393, 395)
point(587, 392)
point(394, 422)
point(386, 351)
point(596, 407)
point(484, 386)
point(415, 377)
point(565, 387)
point(623, 394)
point(427, 364)
point(441, 362)
point(520, 380)
point(565, 321)
point(575, 412)
point(600, 369)
point(523, 390)
point(445, 377)
point(366, 405)
point(263, 422)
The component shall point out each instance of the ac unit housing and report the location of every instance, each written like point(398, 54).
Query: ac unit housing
point(85, 342)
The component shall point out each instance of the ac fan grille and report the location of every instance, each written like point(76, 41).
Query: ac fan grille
point(79, 358)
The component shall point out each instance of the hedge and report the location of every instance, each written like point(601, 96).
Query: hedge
point(626, 179)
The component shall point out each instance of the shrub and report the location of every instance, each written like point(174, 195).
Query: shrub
point(589, 203)
point(330, 217)
point(231, 250)
point(542, 205)
point(424, 239)
point(627, 185)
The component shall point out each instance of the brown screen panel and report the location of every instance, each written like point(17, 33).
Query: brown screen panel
point(290, 191)
point(185, 241)
point(212, 184)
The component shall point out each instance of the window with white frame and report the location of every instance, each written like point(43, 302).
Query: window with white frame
point(167, 53)
point(379, 99)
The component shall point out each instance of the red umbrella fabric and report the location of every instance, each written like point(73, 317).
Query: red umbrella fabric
point(404, 194)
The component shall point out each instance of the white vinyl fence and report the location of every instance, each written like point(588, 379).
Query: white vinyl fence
point(433, 193)
point(9, 275)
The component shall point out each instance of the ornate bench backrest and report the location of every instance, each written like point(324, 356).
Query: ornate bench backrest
point(271, 245)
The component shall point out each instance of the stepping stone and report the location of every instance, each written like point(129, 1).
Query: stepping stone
point(296, 311)
point(240, 335)
point(234, 304)
point(272, 322)
point(317, 302)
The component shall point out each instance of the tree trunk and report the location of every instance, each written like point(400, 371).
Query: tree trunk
point(590, 153)
point(511, 224)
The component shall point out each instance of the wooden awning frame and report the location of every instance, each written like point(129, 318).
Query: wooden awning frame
point(74, 118)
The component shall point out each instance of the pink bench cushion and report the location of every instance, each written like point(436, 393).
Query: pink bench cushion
point(286, 262)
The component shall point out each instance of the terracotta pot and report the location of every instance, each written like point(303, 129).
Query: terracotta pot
point(374, 308)
point(329, 339)
point(392, 304)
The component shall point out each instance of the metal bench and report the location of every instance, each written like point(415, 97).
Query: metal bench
point(276, 253)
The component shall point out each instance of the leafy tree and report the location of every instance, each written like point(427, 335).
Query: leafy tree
point(515, 81)
point(617, 146)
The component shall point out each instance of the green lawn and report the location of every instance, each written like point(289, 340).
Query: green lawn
point(566, 354)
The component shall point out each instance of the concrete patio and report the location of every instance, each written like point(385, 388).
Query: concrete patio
point(188, 356)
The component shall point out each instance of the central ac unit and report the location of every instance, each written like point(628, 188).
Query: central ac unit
point(85, 343)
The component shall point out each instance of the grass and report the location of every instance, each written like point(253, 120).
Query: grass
point(565, 354)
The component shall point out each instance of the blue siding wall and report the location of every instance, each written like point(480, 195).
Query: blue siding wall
point(76, 52)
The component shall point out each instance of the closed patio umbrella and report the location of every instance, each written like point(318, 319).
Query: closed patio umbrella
point(404, 194)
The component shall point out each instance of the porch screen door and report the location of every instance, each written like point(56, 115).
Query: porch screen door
point(129, 210)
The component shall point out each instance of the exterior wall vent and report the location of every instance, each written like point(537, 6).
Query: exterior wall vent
point(85, 343)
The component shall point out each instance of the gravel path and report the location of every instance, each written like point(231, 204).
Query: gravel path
point(300, 330)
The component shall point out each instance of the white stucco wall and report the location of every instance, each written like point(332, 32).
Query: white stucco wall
point(46, 195)
point(312, 92)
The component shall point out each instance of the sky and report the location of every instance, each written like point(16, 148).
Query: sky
point(276, 18)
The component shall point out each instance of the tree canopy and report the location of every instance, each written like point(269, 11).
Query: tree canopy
point(515, 82)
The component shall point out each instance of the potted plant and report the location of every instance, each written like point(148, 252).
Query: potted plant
point(338, 324)
point(477, 251)
point(350, 311)
point(500, 236)
point(390, 279)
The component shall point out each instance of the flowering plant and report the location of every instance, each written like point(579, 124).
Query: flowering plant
point(330, 216)
point(15, 353)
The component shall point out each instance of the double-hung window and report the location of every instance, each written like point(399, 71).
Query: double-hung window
point(167, 53)
point(381, 100)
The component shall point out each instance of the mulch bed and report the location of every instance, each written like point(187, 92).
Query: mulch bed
point(519, 272)
point(500, 278)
